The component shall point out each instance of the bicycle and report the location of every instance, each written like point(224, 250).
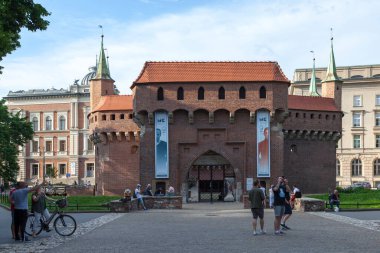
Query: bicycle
point(64, 225)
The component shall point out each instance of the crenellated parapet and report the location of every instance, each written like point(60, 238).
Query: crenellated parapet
point(313, 135)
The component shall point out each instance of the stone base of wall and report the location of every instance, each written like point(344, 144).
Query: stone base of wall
point(309, 205)
point(163, 202)
point(80, 190)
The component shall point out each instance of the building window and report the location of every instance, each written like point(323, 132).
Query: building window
point(160, 94)
point(297, 114)
point(221, 93)
point(62, 169)
point(62, 145)
point(96, 118)
point(48, 123)
point(356, 119)
point(377, 118)
point(201, 93)
point(377, 102)
point(34, 146)
point(337, 167)
point(356, 141)
point(90, 145)
point(376, 167)
point(242, 93)
point(357, 100)
point(377, 140)
point(121, 116)
point(356, 165)
point(130, 116)
point(112, 116)
point(35, 169)
point(62, 123)
point(48, 146)
point(180, 94)
point(90, 169)
point(104, 117)
point(35, 123)
point(263, 92)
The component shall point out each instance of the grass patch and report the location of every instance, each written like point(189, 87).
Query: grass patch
point(357, 198)
point(76, 203)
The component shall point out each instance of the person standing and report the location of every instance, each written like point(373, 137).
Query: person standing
point(271, 196)
point(39, 207)
point(12, 212)
point(20, 200)
point(288, 208)
point(139, 196)
point(148, 190)
point(279, 191)
point(257, 199)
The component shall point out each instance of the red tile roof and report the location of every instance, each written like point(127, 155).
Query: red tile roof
point(115, 103)
point(168, 72)
point(311, 103)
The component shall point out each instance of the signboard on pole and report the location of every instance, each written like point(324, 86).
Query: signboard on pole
point(161, 145)
point(263, 144)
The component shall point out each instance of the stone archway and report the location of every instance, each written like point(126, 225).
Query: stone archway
point(211, 178)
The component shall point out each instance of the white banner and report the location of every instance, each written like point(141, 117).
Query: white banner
point(263, 144)
point(162, 147)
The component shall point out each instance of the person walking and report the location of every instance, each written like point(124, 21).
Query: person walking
point(257, 199)
point(20, 200)
point(139, 196)
point(279, 191)
point(12, 212)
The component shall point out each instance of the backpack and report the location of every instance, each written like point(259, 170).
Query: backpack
point(134, 194)
point(298, 195)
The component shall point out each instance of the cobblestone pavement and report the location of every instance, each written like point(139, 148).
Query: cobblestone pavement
point(211, 228)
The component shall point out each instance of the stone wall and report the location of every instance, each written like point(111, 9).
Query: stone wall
point(309, 205)
point(164, 202)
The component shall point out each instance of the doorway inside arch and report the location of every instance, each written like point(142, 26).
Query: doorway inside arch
point(212, 179)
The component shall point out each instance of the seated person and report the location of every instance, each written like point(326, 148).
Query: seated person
point(127, 195)
point(334, 199)
point(170, 191)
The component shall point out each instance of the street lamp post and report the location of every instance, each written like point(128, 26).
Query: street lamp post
point(43, 163)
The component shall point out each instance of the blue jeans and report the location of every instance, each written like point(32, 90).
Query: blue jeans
point(334, 202)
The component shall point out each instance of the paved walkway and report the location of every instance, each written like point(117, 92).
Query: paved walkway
point(210, 228)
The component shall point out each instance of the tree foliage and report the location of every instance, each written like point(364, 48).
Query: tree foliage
point(14, 132)
point(15, 15)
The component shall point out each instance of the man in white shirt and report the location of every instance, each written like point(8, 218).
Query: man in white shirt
point(139, 196)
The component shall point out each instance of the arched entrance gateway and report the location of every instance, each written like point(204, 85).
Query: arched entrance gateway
point(211, 178)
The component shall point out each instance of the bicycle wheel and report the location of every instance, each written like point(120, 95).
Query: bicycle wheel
point(65, 225)
point(32, 225)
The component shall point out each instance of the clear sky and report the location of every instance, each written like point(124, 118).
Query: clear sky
point(189, 30)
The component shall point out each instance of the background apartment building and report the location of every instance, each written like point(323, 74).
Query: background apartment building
point(60, 148)
point(358, 151)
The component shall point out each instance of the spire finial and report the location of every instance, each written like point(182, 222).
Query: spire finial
point(102, 71)
point(331, 74)
point(313, 86)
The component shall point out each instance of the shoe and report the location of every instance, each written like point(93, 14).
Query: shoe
point(47, 229)
point(282, 232)
point(17, 239)
point(262, 232)
point(26, 239)
point(254, 233)
point(288, 228)
point(278, 233)
point(283, 226)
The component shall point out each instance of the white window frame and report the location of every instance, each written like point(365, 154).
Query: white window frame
point(59, 170)
point(51, 115)
point(51, 152)
point(377, 100)
point(31, 170)
point(358, 167)
point(35, 115)
point(59, 115)
point(93, 163)
point(376, 167)
point(32, 151)
point(64, 152)
point(357, 101)
point(377, 118)
point(355, 140)
point(355, 121)
point(377, 140)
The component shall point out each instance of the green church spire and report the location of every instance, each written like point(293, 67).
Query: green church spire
point(102, 71)
point(331, 74)
point(313, 87)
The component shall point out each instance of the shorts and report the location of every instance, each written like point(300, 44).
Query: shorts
point(288, 209)
point(257, 212)
point(279, 210)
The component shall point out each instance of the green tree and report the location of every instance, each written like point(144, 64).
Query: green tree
point(14, 132)
point(15, 15)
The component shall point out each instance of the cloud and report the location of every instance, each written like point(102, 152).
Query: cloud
point(283, 31)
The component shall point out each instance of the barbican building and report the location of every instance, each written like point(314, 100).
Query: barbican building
point(210, 128)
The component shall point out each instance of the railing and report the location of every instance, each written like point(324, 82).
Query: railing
point(356, 205)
